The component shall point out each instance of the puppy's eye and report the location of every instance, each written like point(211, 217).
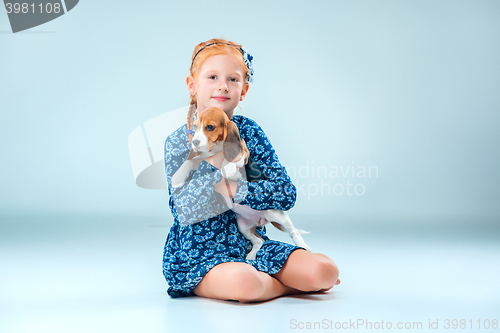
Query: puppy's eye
point(209, 128)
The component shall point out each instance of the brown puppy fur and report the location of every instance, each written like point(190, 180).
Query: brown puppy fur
point(216, 128)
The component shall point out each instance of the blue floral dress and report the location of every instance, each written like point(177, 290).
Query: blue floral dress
point(205, 233)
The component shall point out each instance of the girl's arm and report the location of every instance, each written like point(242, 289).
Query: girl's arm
point(196, 200)
point(275, 190)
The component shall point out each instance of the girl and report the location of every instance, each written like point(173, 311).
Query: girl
point(205, 253)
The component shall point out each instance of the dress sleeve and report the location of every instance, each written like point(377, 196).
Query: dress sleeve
point(196, 200)
point(274, 189)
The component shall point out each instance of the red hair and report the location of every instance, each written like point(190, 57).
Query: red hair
point(218, 46)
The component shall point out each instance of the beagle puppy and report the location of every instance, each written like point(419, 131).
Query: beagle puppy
point(214, 132)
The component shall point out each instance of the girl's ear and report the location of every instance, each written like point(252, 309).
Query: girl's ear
point(190, 85)
point(244, 91)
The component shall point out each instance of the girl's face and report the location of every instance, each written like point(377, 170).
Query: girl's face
point(220, 83)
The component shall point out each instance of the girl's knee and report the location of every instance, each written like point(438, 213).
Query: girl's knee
point(248, 284)
point(323, 273)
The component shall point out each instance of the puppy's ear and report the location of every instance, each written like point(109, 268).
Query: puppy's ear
point(232, 142)
point(223, 135)
point(245, 150)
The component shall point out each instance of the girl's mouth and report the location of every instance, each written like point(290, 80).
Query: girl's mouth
point(220, 98)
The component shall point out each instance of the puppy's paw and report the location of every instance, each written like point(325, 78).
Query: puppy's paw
point(178, 179)
point(229, 170)
point(301, 243)
point(177, 185)
point(251, 255)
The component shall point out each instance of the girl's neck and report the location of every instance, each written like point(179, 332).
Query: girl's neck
point(228, 113)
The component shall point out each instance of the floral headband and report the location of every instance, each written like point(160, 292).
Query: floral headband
point(246, 57)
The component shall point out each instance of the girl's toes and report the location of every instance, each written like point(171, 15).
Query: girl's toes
point(324, 290)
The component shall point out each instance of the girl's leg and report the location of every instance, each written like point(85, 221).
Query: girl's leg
point(308, 271)
point(242, 282)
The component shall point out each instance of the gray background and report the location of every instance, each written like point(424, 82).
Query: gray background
point(410, 87)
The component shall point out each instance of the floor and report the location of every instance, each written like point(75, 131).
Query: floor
point(103, 274)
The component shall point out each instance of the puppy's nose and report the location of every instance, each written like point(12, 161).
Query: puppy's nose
point(196, 142)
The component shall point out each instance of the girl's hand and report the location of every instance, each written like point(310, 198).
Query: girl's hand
point(225, 187)
point(216, 160)
point(222, 186)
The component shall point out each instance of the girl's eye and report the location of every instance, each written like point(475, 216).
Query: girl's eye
point(209, 128)
point(233, 79)
point(212, 77)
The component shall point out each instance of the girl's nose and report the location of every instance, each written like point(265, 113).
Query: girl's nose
point(223, 86)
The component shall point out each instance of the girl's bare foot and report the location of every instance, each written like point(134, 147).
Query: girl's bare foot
point(326, 289)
